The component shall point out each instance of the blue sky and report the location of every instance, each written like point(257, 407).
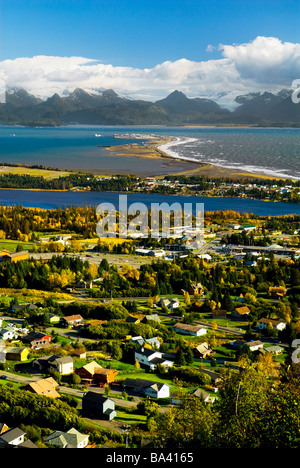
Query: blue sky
point(139, 33)
point(147, 48)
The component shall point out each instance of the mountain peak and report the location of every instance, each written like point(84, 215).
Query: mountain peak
point(21, 97)
point(109, 93)
point(178, 102)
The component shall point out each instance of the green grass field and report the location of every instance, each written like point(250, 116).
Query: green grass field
point(11, 245)
point(47, 174)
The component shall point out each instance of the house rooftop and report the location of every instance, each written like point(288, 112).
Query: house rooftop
point(142, 383)
point(11, 435)
point(71, 438)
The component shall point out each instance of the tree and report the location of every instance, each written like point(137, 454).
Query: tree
point(187, 299)
point(190, 425)
point(242, 405)
point(189, 357)
point(137, 365)
point(116, 351)
point(150, 302)
point(92, 271)
point(180, 358)
point(76, 380)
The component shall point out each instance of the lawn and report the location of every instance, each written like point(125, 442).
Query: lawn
point(10, 383)
point(130, 418)
point(48, 174)
point(150, 376)
point(11, 245)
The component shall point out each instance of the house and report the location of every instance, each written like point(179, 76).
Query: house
point(103, 375)
point(19, 307)
point(19, 256)
point(6, 256)
point(151, 318)
point(62, 365)
point(151, 358)
point(215, 378)
point(72, 320)
point(13, 436)
point(84, 284)
point(94, 372)
point(97, 406)
point(158, 253)
point(53, 318)
point(277, 292)
point(205, 257)
point(64, 240)
point(139, 340)
point(157, 390)
point(193, 330)
point(8, 333)
point(202, 350)
point(16, 354)
point(46, 387)
point(80, 354)
point(37, 340)
point(241, 313)
point(87, 372)
point(276, 324)
point(274, 350)
point(163, 303)
point(204, 395)
point(219, 313)
point(255, 345)
point(70, 439)
point(248, 227)
point(174, 304)
point(195, 289)
point(153, 342)
point(147, 388)
point(131, 319)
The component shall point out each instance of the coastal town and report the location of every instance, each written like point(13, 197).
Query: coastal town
point(114, 341)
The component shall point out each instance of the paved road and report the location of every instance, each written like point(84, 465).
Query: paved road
point(71, 391)
point(113, 259)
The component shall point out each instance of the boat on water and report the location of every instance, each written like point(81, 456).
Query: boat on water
point(97, 135)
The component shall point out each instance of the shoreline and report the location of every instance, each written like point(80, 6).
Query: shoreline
point(154, 151)
point(161, 161)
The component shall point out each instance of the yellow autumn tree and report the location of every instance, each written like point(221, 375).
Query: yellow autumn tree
point(92, 270)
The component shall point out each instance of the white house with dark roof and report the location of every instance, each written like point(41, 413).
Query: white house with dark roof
point(147, 387)
point(255, 345)
point(64, 365)
point(151, 358)
point(276, 324)
point(13, 436)
point(193, 330)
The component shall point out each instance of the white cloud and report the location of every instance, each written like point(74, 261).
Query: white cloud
point(264, 63)
point(266, 60)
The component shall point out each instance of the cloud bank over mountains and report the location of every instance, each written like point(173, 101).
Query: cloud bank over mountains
point(266, 63)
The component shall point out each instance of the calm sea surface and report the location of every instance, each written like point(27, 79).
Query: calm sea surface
point(52, 200)
point(263, 150)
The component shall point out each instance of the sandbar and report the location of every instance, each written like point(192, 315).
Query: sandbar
point(151, 150)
